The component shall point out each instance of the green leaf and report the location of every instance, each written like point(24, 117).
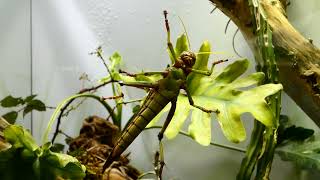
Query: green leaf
point(20, 138)
point(181, 45)
point(11, 117)
point(289, 132)
point(34, 105)
point(304, 154)
point(294, 133)
point(57, 147)
point(29, 98)
point(116, 61)
point(222, 91)
point(33, 162)
point(10, 101)
point(59, 165)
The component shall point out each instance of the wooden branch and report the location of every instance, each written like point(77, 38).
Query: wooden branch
point(297, 58)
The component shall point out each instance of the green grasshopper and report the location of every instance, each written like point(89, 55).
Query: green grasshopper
point(160, 94)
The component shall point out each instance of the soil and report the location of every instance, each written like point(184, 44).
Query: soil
point(92, 147)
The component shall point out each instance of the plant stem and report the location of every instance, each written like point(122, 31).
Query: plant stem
point(211, 143)
point(68, 102)
point(64, 108)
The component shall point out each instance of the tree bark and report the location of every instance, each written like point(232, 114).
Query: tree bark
point(297, 58)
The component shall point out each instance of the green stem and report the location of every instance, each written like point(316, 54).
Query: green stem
point(253, 152)
point(211, 143)
point(263, 140)
point(56, 112)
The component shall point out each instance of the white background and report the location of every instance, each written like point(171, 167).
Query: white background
point(57, 42)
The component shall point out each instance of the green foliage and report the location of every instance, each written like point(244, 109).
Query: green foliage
point(298, 144)
point(57, 147)
point(305, 154)
point(26, 160)
point(221, 91)
point(28, 104)
point(11, 116)
point(10, 101)
point(34, 105)
point(289, 132)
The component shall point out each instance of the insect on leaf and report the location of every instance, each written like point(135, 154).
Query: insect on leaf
point(222, 91)
point(181, 45)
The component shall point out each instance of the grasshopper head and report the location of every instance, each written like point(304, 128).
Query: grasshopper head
point(188, 58)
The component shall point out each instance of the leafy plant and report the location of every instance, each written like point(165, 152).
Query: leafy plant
point(26, 105)
point(26, 160)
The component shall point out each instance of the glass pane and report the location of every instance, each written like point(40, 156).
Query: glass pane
point(15, 52)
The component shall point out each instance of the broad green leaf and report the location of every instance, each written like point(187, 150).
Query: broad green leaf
point(57, 147)
point(19, 137)
point(304, 154)
point(55, 165)
point(29, 98)
point(222, 91)
point(181, 113)
point(181, 45)
point(11, 117)
point(34, 162)
point(34, 105)
point(200, 127)
point(193, 79)
point(10, 101)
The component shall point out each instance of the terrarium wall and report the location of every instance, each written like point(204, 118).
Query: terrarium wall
point(45, 46)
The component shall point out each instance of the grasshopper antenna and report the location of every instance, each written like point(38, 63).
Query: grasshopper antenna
point(170, 46)
point(185, 31)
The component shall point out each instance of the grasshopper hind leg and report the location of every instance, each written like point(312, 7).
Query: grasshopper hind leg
point(159, 156)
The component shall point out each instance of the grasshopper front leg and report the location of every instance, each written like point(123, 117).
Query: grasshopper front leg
point(207, 73)
point(139, 84)
point(143, 73)
point(191, 102)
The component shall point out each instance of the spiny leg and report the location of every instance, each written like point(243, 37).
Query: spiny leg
point(143, 73)
point(160, 161)
point(168, 119)
point(170, 46)
point(139, 84)
point(191, 102)
point(208, 73)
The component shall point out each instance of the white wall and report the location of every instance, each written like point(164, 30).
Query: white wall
point(15, 57)
point(64, 32)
